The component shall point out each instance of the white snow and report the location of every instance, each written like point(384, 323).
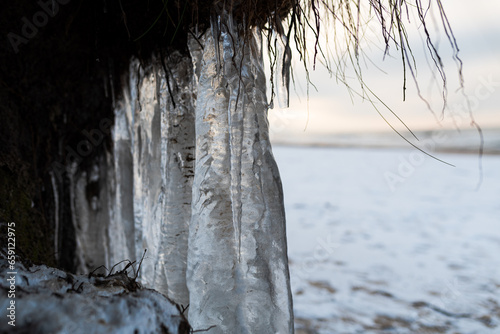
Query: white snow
point(391, 241)
point(49, 300)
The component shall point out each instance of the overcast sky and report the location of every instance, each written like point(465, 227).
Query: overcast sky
point(476, 26)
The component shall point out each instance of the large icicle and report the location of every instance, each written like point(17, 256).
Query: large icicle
point(89, 205)
point(236, 289)
point(177, 168)
point(146, 154)
point(153, 162)
point(121, 229)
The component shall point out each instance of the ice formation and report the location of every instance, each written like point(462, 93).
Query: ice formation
point(192, 179)
point(282, 75)
point(49, 300)
point(237, 264)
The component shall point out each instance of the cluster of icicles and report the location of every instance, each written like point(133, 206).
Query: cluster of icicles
point(192, 179)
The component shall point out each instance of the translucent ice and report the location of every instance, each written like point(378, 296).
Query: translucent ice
point(177, 168)
point(238, 280)
point(162, 128)
point(192, 179)
point(283, 64)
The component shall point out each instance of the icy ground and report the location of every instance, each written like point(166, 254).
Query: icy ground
point(41, 299)
point(390, 241)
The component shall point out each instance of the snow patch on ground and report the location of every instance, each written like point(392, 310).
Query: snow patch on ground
point(391, 241)
point(49, 300)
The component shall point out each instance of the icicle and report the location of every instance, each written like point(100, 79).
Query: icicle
point(105, 84)
point(211, 254)
point(147, 173)
point(89, 197)
point(177, 169)
point(133, 108)
point(282, 74)
point(111, 81)
point(236, 285)
point(153, 163)
point(55, 190)
point(235, 112)
point(120, 179)
point(215, 27)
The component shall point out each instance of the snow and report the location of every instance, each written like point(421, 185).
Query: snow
point(391, 241)
point(49, 300)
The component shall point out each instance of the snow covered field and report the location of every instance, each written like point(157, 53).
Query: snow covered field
point(391, 241)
